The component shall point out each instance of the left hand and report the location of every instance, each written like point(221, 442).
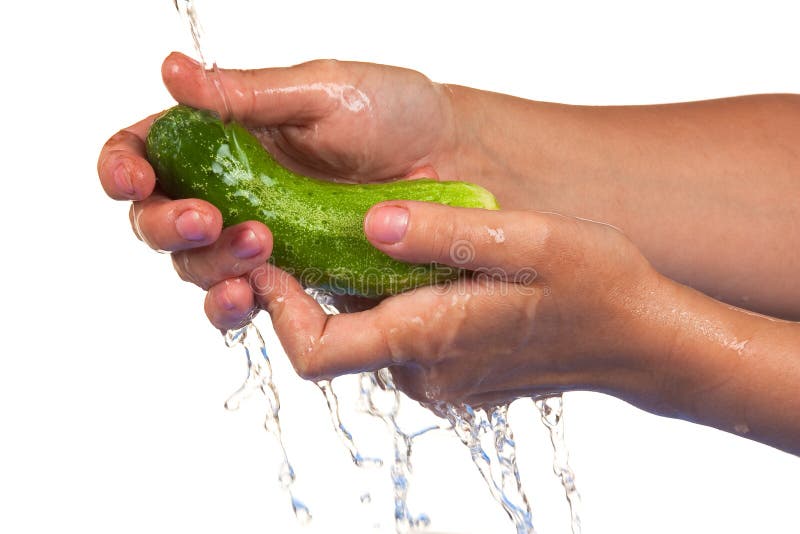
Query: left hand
point(552, 303)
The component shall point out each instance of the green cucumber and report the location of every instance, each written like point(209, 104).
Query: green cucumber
point(317, 225)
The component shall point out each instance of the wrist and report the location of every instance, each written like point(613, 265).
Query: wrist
point(530, 154)
point(635, 342)
point(691, 357)
point(685, 353)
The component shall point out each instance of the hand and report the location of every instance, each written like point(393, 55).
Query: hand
point(348, 121)
point(552, 304)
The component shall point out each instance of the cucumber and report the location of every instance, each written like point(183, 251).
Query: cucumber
point(317, 225)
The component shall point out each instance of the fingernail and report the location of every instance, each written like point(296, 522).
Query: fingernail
point(177, 62)
point(387, 224)
point(190, 226)
point(246, 245)
point(224, 300)
point(190, 60)
point(122, 177)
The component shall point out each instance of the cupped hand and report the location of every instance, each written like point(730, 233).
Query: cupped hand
point(346, 121)
point(551, 304)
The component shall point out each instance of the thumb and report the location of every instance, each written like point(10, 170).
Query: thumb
point(467, 238)
point(260, 97)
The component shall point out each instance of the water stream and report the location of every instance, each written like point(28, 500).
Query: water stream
point(490, 441)
point(259, 382)
point(188, 11)
point(551, 411)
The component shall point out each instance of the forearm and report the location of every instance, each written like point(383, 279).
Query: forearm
point(704, 361)
point(709, 191)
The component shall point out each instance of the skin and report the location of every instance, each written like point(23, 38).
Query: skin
point(704, 192)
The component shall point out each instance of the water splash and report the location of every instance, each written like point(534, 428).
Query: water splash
point(486, 433)
point(328, 305)
point(344, 435)
point(551, 410)
point(259, 381)
point(380, 398)
point(488, 436)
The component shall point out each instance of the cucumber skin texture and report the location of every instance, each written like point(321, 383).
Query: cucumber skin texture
point(317, 226)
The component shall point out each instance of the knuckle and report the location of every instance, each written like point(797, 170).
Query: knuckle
point(444, 238)
point(250, 103)
point(179, 263)
point(547, 246)
point(394, 340)
point(182, 263)
point(261, 282)
point(246, 93)
point(305, 364)
point(545, 232)
point(329, 68)
point(121, 138)
point(309, 358)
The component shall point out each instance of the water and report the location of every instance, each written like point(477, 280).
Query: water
point(259, 382)
point(486, 433)
point(551, 411)
point(347, 438)
point(188, 11)
point(379, 398)
point(488, 436)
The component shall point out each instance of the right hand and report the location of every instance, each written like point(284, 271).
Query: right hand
point(356, 122)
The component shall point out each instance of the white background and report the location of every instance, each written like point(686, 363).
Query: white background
point(112, 382)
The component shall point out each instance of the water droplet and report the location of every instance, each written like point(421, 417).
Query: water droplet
point(301, 512)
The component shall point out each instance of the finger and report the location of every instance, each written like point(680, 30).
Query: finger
point(172, 225)
point(322, 346)
point(291, 95)
point(468, 238)
point(230, 303)
point(122, 166)
point(239, 250)
point(298, 321)
point(319, 345)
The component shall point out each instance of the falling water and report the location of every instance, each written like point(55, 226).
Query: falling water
point(259, 381)
point(488, 436)
point(188, 11)
point(551, 410)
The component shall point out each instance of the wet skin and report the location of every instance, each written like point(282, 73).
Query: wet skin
point(596, 309)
